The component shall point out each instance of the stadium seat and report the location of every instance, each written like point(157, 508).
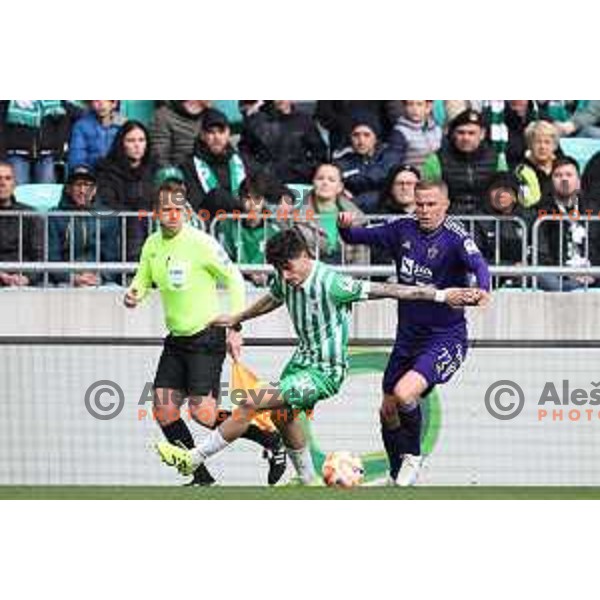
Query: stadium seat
point(139, 110)
point(41, 196)
point(581, 149)
point(231, 110)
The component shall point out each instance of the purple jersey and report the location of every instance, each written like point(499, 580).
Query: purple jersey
point(443, 258)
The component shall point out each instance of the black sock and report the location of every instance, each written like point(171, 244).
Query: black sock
point(267, 439)
point(392, 442)
point(179, 433)
point(410, 423)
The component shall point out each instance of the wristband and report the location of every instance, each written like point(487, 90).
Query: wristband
point(237, 327)
point(440, 296)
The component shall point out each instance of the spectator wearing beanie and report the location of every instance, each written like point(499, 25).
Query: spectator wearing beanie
point(283, 142)
point(175, 129)
point(502, 200)
point(337, 117)
point(466, 163)
point(367, 163)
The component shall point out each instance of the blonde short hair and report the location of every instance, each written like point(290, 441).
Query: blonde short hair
point(539, 128)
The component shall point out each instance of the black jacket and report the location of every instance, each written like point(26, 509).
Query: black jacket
point(289, 147)
point(549, 238)
point(467, 176)
point(507, 235)
point(125, 189)
point(590, 180)
point(221, 198)
point(32, 248)
point(50, 138)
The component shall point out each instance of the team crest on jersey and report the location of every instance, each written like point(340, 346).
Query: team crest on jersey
point(347, 285)
point(432, 252)
point(471, 247)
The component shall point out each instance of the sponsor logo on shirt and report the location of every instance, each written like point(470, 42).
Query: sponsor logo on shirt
point(410, 269)
point(407, 267)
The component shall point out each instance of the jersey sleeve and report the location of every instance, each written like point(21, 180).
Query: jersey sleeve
point(219, 265)
point(474, 261)
point(142, 282)
point(346, 290)
point(384, 236)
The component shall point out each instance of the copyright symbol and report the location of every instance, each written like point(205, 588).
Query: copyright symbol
point(102, 408)
point(504, 408)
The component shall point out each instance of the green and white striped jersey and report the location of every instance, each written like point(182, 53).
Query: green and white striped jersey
point(321, 310)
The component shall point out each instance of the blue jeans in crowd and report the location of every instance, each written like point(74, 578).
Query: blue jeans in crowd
point(29, 171)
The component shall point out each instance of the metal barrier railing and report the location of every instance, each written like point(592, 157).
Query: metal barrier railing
point(117, 235)
point(29, 251)
point(315, 222)
point(581, 263)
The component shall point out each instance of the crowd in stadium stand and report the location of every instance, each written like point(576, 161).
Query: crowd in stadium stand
point(498, 158)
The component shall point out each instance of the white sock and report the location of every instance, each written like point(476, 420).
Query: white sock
point(211, 444)
point(303, 464)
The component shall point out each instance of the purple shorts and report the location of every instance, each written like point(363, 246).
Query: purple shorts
point(436, 357)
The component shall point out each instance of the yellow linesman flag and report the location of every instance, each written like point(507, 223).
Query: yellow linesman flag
point(243, 378)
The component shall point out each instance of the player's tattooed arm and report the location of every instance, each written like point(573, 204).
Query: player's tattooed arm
point(401, 292)
point(453, 296)
point(262, 306)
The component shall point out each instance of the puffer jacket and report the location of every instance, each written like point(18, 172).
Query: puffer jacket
point(90, 140)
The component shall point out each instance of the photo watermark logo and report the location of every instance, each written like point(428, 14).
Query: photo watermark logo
point(505, 400)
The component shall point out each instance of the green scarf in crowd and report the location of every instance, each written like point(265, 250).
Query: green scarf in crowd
point(208, 179)
point(29, 113)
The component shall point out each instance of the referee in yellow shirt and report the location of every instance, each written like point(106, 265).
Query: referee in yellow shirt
point(186, 264)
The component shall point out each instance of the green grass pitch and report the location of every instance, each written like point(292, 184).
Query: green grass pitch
point(295, 493)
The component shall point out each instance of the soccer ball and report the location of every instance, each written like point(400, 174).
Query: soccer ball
point(343, 469)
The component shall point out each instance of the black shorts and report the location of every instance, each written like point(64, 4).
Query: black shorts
point(193, 363)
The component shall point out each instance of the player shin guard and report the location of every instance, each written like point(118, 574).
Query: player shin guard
point(303, 463)
point(411, 419)
point(178, 433)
